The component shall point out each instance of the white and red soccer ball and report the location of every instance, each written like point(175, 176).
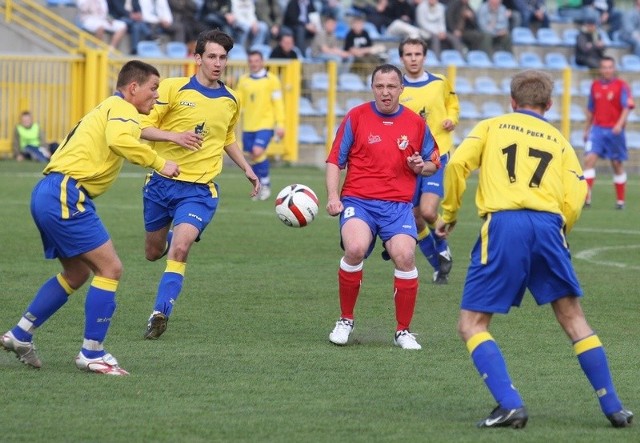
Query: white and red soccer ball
point(297, 205)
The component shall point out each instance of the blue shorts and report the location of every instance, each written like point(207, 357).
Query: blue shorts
point(432, 184)
point(519, 250)
point(605, 144)
point(66, 217)
point(257, 138)
point(385, 219)
point(166, 200)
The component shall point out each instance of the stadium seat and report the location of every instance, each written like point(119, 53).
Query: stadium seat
point(584, 87)
point(633, 117)
point(635, 88)
point(548, 37)
point(521, 35)
point(478, 59)
point(353, 102)
point(322, 105)
point(491, 108)
point(432, 59)
point(452, 57)
point(505, 85)
point(61, 3)
point(305, 107)
point(463, 85)
point(530, 60)
point(577, 113)
point(307, 134)
point(238, 52)
point(265, 50)
point(555, 60)
point(177, 50)
point(149, 49)
point(630, 62)
point(553, 115)
point(486, 85)
point(320, 81)
point(569, 36)
point(633, 139)
point(349, 81)
point(468, 110)
point(504, 59)
point(393, 56)
point(576, 138)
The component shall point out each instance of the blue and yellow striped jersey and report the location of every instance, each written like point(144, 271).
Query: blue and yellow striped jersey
point(185, 105)
point(94, 151)
point(261, 100)
point(435, 101)
point(525, 163)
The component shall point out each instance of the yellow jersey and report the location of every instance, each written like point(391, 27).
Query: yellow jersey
point(261, 99)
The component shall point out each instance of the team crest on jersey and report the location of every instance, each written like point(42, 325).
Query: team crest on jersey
point(374, 139)
point(200, 129)
point(189, 104)
point(403, 142)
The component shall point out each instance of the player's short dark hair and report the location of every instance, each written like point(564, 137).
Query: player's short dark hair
point(413, 41)
point(214, 36)
point(608, 58)
point(255, 52)
point(135, 71)
point(532, 88)
point(384, 69)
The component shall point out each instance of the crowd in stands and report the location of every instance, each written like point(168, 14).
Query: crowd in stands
point(329, 30)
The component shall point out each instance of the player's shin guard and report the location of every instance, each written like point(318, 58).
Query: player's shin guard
point(428, 248)
point(405, 292)
point(593, 362)
point(170, 287)
point(491, 366)
point(620, 183)
point(53, 294)
point(349, 281)
point(98, 308)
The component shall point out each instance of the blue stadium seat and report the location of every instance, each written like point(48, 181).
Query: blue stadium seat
point(635, 88)
point(584, 87)
point(463, 85)
point(468, 110)
point(491, 108)
point(555, 60)
point(149, 49)
point(569, 36)
point(521, 35)
point(479, 59)
point(576, 138)
point(61, 3)
point(322, 105)
point(307, 134)
point(504, 59)
point(177, 50)
point(238, 52)
point(486, 85)
point(630, 62)
point(530, 60)
point(432, 60)
point(553, 115)
point(305, 108)
point(505, 85)
point(548, 37)
point(353, 102)
point(393, 56)
point(449, 57)
point(349, 81)
point(633, 139)
point(577, 113)
point(320, 81)
point(265, 50)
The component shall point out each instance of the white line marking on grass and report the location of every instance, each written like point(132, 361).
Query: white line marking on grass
point(590, 254)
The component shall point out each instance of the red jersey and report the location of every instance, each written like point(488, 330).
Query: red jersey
point(374, 148)
point(607, 100)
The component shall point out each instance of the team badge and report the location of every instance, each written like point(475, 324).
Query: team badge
point(403, 142)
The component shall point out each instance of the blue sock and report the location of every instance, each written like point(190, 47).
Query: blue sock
point(169, 287)
point(441, 244)
point(169, 238)
point(428, 249)
point(492, 367)
point(53, 294)
point(261, 169)
point(98, 309)
point(593, 362)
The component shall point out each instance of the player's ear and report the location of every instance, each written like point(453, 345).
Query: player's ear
point(549, 104)
point(514, 105)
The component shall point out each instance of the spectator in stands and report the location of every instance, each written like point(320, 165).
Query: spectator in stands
point(216, 14)
point(430, 16)
point(374, 11)
point(359, 44)
point(493, 19)
point(325, 45)
point(270, 12)
point(29, 142)
point(402, 14)
point(589, 45)
point(631, 28)
point(129, 12)
point(185, 22)
point(93, 17)
point(156, 14)
point(533, 13)
point(606, 14)
point(285, 47)
point(297, 17)
point(515, 18)
point(247, 24)
point(462, 23)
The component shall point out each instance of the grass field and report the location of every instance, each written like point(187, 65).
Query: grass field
point(246, 356)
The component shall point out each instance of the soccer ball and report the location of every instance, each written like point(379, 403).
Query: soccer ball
point(297, 205)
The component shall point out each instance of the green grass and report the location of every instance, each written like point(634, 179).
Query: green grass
point(246, 355)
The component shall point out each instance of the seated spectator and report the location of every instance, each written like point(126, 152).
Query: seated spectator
point(129, 12)
point(430, 17)
point(285, 47)
point(270, 12)
point(374, 11)
point(185, 22)
point(297, 17)
point(462, 23)
point(515, 18)
point(359, 45)
point(156, 14)
point(93, 17)
point(29, 142)
point(216, 14)
point(402, 15)
point(590, 48)
point(631, 28)
point(606, 15)
point(325, 45)
point(533, 13)
point(247, 24)
point(493, 19)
